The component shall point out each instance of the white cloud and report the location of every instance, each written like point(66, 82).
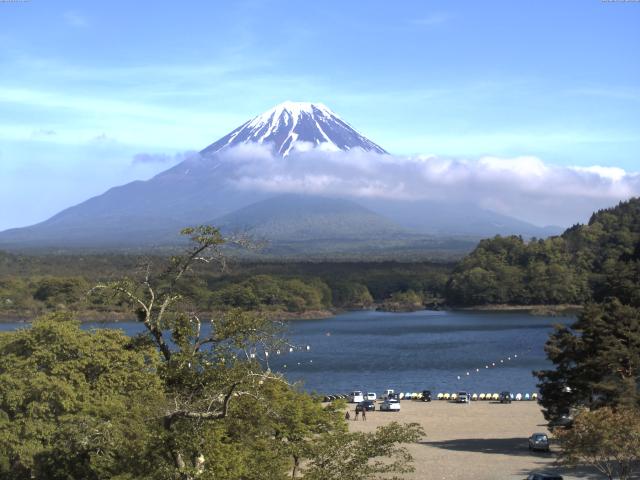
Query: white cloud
point(525, 187)
point(613, 173)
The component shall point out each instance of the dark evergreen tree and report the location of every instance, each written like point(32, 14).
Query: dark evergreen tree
point(596, 360)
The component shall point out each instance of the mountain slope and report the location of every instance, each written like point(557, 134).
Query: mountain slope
point(454, 218)
point(303, 218)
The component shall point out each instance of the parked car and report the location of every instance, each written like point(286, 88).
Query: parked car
point(539, 441)
point(367, 405)
point(356, 397)
point(462, 397)
point(562, 421)
point(370, 396)
point(426, 396)
point(505, 397)
point(544, 476)
point(390, 405)
point(390, 394)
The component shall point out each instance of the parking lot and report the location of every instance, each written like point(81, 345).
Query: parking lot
point(479, 440)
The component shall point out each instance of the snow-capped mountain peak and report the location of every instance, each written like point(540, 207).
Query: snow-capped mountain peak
point(291, 110)
point(296, 125)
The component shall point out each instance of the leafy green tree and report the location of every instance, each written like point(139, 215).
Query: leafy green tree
point(16, 296)
point(354, 456)
point(65, 291)
point(347, 294)
point(403, 301)
point(582, 264)
point(227, 415)
point(76, 403)
point(268, 293)
point(606, 439)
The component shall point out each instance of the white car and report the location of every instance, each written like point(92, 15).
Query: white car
point(463, 397)
point(370, 396)
point(390, 405)
point(356, 397)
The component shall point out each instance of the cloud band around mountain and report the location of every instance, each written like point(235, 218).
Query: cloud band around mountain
point(525, 187)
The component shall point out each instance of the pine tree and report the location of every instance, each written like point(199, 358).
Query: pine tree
point(597, 360)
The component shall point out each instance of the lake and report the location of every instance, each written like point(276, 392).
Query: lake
point(373, 351)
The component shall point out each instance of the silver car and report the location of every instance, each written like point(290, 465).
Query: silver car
point(539, 441)
point(390, 405)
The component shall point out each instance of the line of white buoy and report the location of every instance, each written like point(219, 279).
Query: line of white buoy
point(278, 351)
point(487, 366)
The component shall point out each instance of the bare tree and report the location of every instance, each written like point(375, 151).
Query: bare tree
point(206, 363)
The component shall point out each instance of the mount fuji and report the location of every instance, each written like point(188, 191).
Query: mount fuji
point(294, 124)
point(201, 189)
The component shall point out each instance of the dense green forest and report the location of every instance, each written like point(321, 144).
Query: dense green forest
point(32, 285)
point(587, 262)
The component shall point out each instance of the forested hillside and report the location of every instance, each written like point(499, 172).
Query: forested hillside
point(33, 285)
point(584, 263)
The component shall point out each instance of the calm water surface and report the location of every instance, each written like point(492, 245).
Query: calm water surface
point(373, 351)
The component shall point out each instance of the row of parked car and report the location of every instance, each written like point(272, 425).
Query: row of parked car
point(367, 401)
point(426, 396)
point(391, 399)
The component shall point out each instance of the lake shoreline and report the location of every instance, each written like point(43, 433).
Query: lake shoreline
point(372, 351)
point(87, 316)
point(538, 310)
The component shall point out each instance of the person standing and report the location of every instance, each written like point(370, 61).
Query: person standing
point(364, 414)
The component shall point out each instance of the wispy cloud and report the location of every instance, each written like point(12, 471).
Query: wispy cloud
point(161, 158)
point(615, 92)
point(430, 20)
point(131, 121)
point(103, 138)
point(43, 132)
point(75, 19)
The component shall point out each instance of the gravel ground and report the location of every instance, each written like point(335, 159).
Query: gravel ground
point(480, 441)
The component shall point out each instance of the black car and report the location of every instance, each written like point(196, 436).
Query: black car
point(426, 396)
point(544, 476)
point(564, 420)
point(505, 397)
point(367, 405)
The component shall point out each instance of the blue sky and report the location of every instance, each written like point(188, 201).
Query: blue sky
point(87, 86)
